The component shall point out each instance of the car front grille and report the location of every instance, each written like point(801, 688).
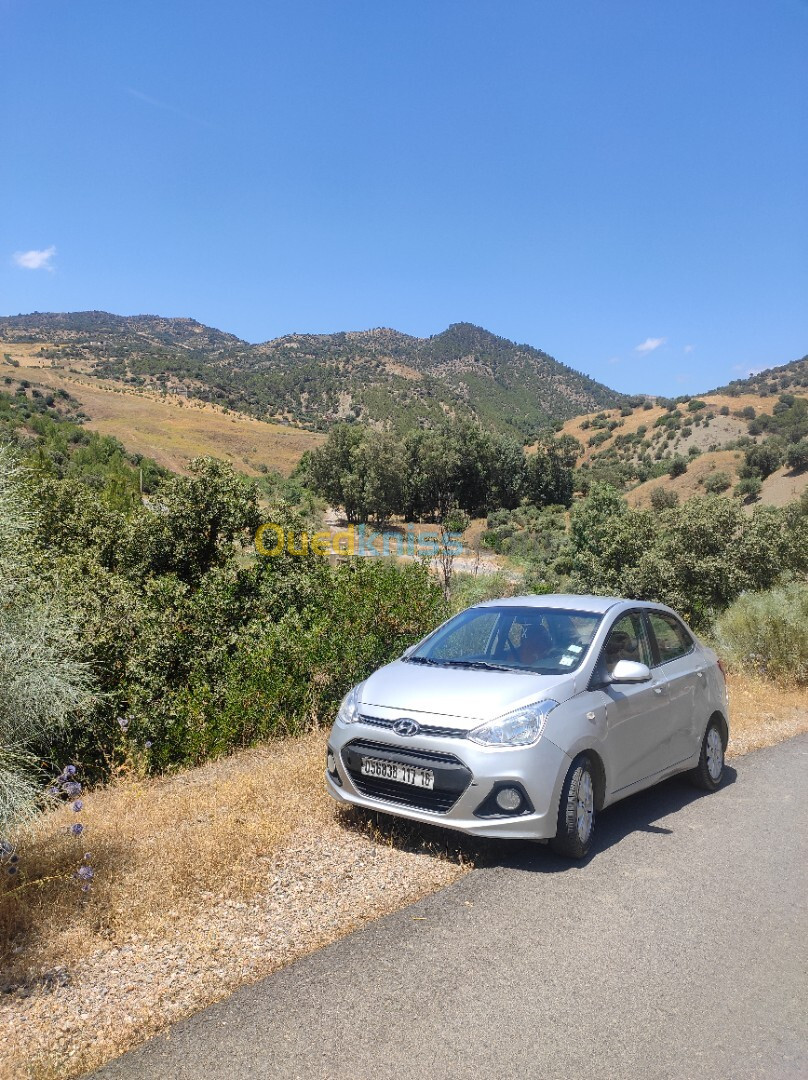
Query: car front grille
point(432, 730)
point(451, 776)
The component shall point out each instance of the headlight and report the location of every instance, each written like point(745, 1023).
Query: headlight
point(349, 709)
point(523, 727)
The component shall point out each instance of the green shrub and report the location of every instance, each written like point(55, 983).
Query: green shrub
point(717, 482)
point(766, 634)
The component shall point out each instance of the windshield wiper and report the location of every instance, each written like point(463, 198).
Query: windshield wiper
point(423, 660)
point(483, 665)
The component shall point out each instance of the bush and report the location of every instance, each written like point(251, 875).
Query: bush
point(749, 488)
point(767, 634)
point(678, 466)
point(717, 482)
point(797, 456)
point(663, 499)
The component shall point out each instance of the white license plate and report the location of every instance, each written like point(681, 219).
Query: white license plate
point(403, 774)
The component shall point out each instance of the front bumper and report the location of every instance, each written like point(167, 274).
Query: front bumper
point(465, 777)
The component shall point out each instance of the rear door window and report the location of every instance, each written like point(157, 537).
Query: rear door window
point(672, 639)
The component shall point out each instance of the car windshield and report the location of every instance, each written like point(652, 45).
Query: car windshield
point(545, 641)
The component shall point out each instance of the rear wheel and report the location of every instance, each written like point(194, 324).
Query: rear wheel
point(709, 772)
point(576, 811)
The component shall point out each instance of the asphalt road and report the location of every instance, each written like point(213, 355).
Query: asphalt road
point(678, 951)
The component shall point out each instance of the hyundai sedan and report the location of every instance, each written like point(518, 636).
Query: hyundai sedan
point(525, 717)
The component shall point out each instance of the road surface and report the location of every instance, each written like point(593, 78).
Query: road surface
point(677, 951)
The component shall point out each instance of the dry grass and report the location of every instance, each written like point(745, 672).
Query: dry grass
point(762, 714)
point(216, 877)
point(720, 428)
point(170, 429)
point(157, 846)
point(687, 485)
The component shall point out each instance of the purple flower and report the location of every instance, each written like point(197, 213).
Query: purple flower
point(14, 859)
point(148, 744)
point(53, 792)
point(77, 830)
point(78, 805)
point(85, 873)
point(72, 789)
point(13, 869)
point(123, 722)
point(70, 770)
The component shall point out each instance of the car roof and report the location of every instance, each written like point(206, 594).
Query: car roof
point(562, 601)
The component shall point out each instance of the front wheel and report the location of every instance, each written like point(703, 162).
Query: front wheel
point(709, 772)
point(576, 812)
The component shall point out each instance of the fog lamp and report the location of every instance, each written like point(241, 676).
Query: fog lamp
point(508, 799)
point(330, 763)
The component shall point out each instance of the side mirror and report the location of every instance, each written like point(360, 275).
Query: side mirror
point(629, 671)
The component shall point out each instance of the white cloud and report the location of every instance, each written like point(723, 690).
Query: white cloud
point(650, 344)
point(35, 260)
point(689, 348)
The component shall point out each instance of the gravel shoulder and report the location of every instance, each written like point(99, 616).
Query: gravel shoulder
point(210, 898)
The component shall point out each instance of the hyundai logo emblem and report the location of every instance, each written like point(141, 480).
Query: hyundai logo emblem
point(405, 726)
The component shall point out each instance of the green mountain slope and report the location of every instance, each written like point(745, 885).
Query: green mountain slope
point(316, 379)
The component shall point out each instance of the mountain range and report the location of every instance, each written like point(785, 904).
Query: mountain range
point(314, 380)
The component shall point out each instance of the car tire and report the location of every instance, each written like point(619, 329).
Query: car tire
point(576, 811)
point(709, 772)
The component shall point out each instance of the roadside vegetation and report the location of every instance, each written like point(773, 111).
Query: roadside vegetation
point(163, 688)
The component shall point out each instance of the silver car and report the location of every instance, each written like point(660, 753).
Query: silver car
point(525, 717)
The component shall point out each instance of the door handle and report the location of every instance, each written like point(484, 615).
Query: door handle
point(657, 689)
point(700, 674)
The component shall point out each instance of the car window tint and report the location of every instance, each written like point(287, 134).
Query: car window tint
point(468, 638)
point(671, 637)
point(626, 641)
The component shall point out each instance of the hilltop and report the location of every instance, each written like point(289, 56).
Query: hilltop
point(692, 445)
point(315, 380)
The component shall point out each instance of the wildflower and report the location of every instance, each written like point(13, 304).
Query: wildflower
point(70, 770)
point(77, 830)
point(5, 848)
point(13, 869)
point(72, 789)
point(148, 744)
point(78, 805)
point(123, 722)
point(85, 873)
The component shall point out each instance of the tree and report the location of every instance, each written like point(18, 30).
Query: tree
point(761, 460)
point(452, 528)
point(194, 523)
point(797, 456)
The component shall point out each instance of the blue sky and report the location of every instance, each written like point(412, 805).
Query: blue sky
point(619, 182)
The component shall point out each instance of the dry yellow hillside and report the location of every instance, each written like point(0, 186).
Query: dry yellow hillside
point(687, 485)
point(169, 429)
point(721, 429)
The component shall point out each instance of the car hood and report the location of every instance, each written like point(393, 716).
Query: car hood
point(462, 693)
